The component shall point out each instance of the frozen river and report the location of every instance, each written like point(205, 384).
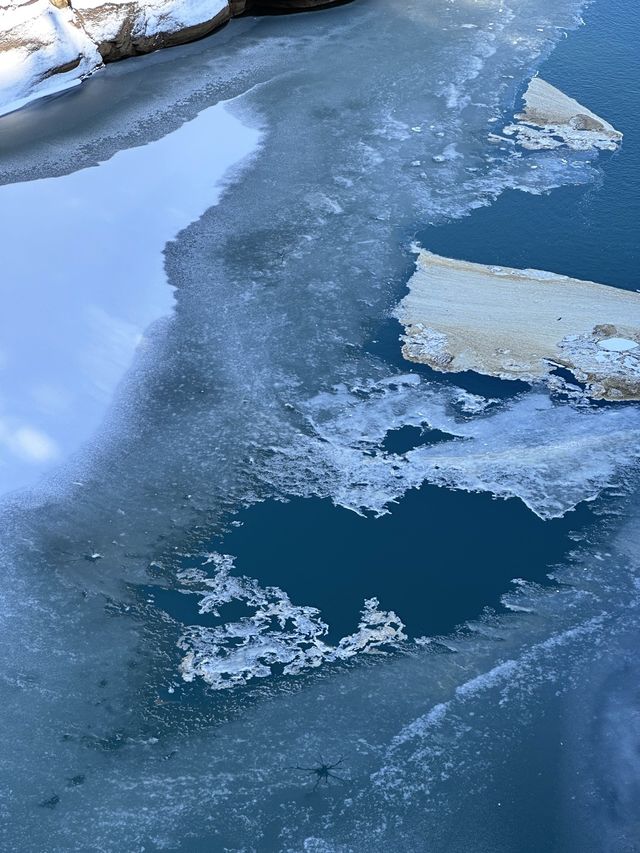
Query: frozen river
point(201, 252)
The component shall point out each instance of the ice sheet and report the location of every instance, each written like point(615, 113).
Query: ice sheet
point(79, 295)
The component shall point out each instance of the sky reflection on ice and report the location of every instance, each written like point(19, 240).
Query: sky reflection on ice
point(76, 302)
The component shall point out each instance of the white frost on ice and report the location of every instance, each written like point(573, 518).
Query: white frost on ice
point(474, 404)
point(276, 633)
point(550, 455)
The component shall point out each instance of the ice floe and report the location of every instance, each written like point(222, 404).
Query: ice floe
point(552, 119)
point(520, 324)
point(550, 455)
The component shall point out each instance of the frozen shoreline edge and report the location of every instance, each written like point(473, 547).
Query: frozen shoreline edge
point(50, 46)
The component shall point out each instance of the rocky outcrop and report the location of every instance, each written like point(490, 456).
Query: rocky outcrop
point(121, 28)
point(47, 46)
point(43, 49)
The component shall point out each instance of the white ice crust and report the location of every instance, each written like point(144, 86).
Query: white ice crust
point(276, 631)
point(551, 455)
point(617, 344)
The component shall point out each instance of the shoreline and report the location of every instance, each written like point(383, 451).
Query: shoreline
point(50, 46)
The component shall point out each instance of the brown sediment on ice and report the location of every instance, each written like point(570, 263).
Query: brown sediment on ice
point(551, 119)
point(522, 324)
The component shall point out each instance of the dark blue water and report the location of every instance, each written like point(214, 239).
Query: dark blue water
point(436, 559)
point(588, 232)
point(407, 437)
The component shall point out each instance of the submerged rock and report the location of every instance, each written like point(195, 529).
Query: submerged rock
point(522, 324)
point(552, 119)
point(46, 46)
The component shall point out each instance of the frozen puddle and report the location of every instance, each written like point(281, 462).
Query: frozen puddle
point(76, 303)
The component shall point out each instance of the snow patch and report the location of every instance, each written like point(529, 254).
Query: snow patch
point(43, 50)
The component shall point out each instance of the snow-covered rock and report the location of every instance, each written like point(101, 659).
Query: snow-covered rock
point(47, 46)
point(122, 28)
point(43, 49)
